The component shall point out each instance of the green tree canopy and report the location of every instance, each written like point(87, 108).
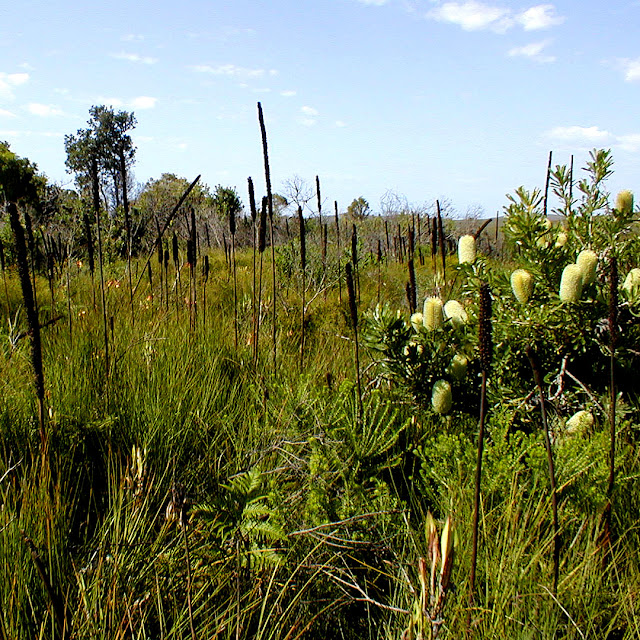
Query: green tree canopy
point(226, 203)
point(19, 179)
point(359, 209)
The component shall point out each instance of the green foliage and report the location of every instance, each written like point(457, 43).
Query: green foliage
point(19, 179)
point(359, 209)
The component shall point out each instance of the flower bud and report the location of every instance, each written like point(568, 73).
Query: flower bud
point(455, 312)
point(416, 321)
point(466, 250)
point(522, 285)
point(457, 368)
point(561, 239)
point(441, 399)
point(587, 260)
point(624, 201)
point(571, 283)
point(432, 314)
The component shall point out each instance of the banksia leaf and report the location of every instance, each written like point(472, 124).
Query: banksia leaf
point(455, 312)
point(587, 260)
point(432, 313)
point(466, 250)
point(457, 368)
point(484, 328)
point(624, 201)
point(522, 285)
point(441, 398)
point(446, 549)
point(571, 283)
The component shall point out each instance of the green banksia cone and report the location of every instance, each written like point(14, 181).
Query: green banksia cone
point(631, 285)
point(571, 283)
point(417, 321)
point(432, 314)
point(624, 201)
point(455, 313)
point(457, 368)
point(522, 285)
point(484, 328)
point(466, 250)
point(587, 260)
point(441, 399)
point(580, 422)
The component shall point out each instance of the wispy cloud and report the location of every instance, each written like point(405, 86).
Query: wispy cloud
point(629, 142)
point(542, 16)
point(631, 68)
point(233, 71)
point(7, 114)
point(340, 123)
point(144, 102)
point(534, 51)
point(578, 134)
point(134, 57)
point(477, 16)
point(43, 110)
point(8, 81)
point(288, 94)
point(132, 37)
point(309, 116)
point(377, 3)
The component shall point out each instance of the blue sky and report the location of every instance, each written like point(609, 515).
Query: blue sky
point(427, 99)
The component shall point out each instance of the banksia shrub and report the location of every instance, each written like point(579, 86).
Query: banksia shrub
point(624, 201)
point(561, 239)
point(587, 260)
point(522, 285)
point(466, 250)
point(417, 321)
point(441, 399)
point(455, 312)
point(457, 368)
point(571, 283)
point(432, 314)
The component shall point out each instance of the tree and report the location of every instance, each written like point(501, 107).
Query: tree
point(106, 140)
point(359, 209)
point(297, 191)
point(19, 179)
point(227, 203)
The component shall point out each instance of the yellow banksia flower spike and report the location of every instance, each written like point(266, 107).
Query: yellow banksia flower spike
point(466, 250)
point(522, 285)
point(441, 398)
point(432, 314)
point(624, 201)
point(571, 283)
point(587, 260)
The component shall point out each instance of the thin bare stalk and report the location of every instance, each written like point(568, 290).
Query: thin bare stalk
point(486, 352)
point(546, 186)
point(303, 267)
point(537, 377)
point(353, 308)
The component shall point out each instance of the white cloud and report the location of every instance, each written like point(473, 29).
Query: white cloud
point(134, 57)
point(144, 102)
point(10, 80)
point(377, 3)
point(288, 94)
point(234, 71)
point(630, 68)
point(533, 51)
point(472, 15)
point(7, 114)
point(309, 111)
point(542, 16)
point(577, 134)
point(43, 110)
point(341, 123)
point(629, 142)
point(132, 37)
